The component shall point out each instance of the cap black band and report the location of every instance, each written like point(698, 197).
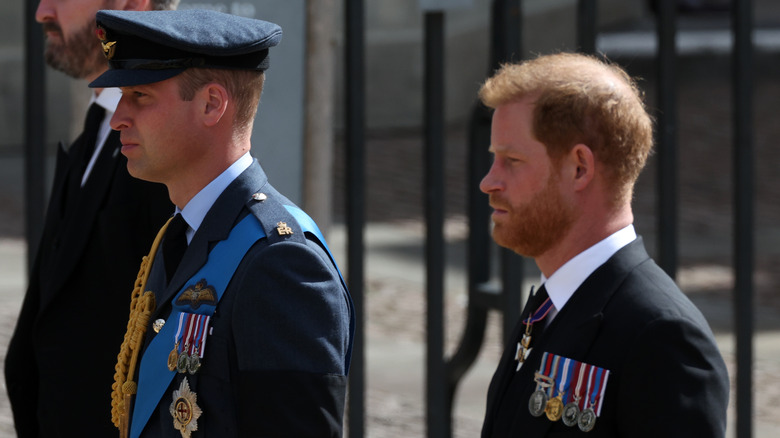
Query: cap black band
point(156, 64)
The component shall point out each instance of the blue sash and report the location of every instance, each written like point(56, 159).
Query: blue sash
point(223, 260)
point(153, 376)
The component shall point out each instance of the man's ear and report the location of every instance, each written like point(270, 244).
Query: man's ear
point(133, 5)
point(215, 102)
point(582, 165)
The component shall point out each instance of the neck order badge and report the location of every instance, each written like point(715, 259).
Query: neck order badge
point(524, 345)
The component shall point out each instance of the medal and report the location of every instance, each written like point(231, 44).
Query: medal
point(570, 414)
point(554, 409)
point(173, 356)
point(185, 410)
point(537, 403)
point(184, 356)
point(538, 400)
point(587, 419)
point(596, 385)
point(200, 344)
point(572, 409)
point(523, 347)
point(193, 329)
point(184, 360)
point(194, 363)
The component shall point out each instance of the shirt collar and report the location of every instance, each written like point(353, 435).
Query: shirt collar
point(564, 282)
point(108, 99)
point(195, 210)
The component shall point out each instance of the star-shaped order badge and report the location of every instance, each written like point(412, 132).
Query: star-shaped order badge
point(184, 409)
point(523, 351)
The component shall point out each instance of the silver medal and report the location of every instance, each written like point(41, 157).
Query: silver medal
point(537, 403)
point(570, 413)
point(184, 361)
point(587, 420)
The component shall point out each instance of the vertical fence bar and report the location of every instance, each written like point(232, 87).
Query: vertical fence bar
point(355, 151)
point(586, 26)
point(743, 211)
point(668, 180)
point(438, 414)
point(507, 17)
point(34, 131)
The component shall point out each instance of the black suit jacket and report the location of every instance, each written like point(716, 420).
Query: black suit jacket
point(275, 362)
point(60, 362)
point(667, 377)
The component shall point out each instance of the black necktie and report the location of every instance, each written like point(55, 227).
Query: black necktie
point(174, 245)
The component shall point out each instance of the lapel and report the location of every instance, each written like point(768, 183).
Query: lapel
point(573, 331)
point(81, 207)
point(216, 226)
point(61, 175)
point(507, 366)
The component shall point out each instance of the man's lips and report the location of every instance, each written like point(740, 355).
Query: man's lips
point(52, 30)
point(497, 206)
point(128, 145)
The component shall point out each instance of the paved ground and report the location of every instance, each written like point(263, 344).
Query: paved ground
point(395, 297)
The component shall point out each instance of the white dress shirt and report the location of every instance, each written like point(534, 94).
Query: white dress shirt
point(108, 99)
point(195, 210)
point(564, 282)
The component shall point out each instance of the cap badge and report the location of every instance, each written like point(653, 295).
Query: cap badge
point(197, 294)
point(108, 46)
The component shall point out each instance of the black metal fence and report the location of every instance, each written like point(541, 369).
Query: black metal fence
point(444, 374)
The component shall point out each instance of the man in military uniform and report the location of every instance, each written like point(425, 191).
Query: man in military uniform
point(241, 324)
point(100, 221)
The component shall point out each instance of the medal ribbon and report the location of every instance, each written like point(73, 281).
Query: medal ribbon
point(202, 346)
point(178, 330)
point(563, 382)
point(578, 373)
point(196, 336)
point(540, 313)
point(600, 396)
point(542, 370)
point(586, 398)
point(555, 365)
point(188, 339)
point(594, 393)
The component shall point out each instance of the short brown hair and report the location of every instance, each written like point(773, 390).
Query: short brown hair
point(581, 99)
point(243, 86)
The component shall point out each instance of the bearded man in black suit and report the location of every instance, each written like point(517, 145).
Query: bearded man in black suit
point(99, 223)
point(608, 345)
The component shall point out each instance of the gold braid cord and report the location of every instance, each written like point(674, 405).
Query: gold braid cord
point(142, 304)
